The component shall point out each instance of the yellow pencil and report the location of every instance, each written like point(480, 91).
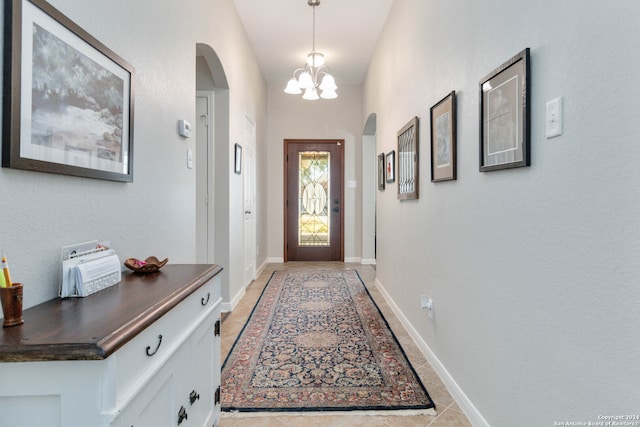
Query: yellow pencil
point(5, 270)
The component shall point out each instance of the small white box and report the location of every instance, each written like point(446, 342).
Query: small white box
point(184, 128)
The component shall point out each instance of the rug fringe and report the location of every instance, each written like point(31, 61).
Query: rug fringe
point(399, 413)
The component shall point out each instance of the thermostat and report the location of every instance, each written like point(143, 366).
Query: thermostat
point(184, 128)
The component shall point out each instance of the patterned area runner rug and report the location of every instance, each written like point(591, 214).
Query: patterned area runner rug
point(316, 341)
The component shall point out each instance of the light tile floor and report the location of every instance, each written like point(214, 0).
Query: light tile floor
point(448, 412)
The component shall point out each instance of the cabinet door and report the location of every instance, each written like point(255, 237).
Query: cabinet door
point(217, 367)
point(159, 402)
point(203, 365)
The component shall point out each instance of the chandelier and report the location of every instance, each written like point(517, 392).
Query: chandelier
point(308, 77)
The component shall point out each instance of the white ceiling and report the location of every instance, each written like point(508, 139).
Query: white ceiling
point(280, 32)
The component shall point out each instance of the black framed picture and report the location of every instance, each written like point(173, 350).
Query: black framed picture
point(505, 115)
point(237, 168)
point(390, 166)
point(68, 99)
point(443, 139)
point(381, 171)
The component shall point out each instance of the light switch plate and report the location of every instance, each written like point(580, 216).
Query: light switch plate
point(189, 158)
point(554, 118)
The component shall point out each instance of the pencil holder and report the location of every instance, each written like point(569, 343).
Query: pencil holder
point(11, 299)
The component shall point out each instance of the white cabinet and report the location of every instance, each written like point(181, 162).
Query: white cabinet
point(181, 392)
point(158, 403)
point(166, 374)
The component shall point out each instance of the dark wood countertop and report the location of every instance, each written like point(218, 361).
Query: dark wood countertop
point(94, 327)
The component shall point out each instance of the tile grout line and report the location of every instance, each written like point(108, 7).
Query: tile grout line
point(439, 414)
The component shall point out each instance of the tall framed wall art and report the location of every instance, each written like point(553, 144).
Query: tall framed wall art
point(408, 161)
point(505, 115)
point(443, 139)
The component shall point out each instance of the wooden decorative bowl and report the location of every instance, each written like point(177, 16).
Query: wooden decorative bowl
point(149, 265)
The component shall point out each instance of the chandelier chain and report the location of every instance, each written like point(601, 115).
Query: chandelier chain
point(314, 30)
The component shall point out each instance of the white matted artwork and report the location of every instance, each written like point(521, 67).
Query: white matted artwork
point(505, 115)
point(390, 167)
point(443, 139)
point(71, 98)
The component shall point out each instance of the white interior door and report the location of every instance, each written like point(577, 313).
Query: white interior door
point(204, 177)
point(248, 171)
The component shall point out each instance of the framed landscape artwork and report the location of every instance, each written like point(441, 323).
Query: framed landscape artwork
point(68, 99)
point(505, 115)
point(443, 139)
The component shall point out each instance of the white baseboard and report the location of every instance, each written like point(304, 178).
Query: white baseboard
point(279, 260)
point(261, 268)
point(230, 306)
point(454, 389)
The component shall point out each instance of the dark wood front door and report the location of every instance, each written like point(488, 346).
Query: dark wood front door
point(313, 181)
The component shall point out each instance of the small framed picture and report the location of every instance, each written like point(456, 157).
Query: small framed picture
point(390, 166)
point(238, 159)
point(505, 115)
point(443, 139)
point(381, 171)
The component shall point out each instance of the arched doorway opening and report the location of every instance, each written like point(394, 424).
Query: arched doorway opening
point(212, 166)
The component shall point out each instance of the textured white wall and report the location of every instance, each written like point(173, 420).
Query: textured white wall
point(291, 117)
point(533, 272)
point(154, 215)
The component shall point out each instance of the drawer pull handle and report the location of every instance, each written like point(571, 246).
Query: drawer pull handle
point(182, 415)
point(151, 353)
point(193, 396)
point(205, 301)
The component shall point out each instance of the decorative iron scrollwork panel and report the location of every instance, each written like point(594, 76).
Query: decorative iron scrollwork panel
point(408, 161)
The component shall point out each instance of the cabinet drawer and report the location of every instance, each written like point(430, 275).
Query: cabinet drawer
point(207, 296)
point(138, 360)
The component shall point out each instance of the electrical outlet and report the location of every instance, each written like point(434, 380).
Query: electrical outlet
point(427, 304)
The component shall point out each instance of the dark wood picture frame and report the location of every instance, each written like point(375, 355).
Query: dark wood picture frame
point(390, 166)
point(443, 139)
point(237, 160)
point(408, 176)
point(381, 171)
point(505, 115)
point(75, 120)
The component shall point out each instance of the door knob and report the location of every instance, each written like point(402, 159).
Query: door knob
point(193, 396)
point(336, 209)
point(182, 415)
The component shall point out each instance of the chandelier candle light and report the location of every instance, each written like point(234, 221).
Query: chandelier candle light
point(306, 78)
